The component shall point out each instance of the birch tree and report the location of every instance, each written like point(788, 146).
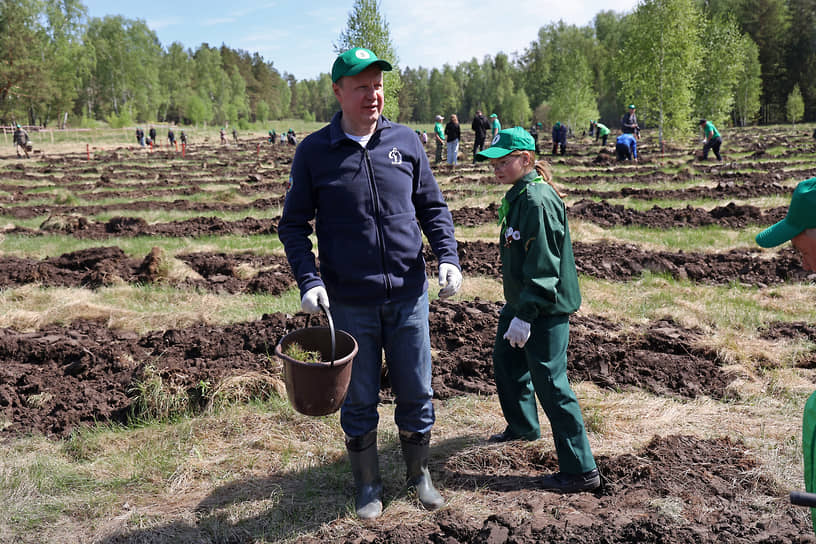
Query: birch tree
point(659, 64)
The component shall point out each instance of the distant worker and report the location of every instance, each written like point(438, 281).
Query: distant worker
point(534, 133)
point(629, 122)
point(626, 147)
point(21, 141)
point(559, 138)
point(591, 128)
point(290, 137)
point(711, 139)
point(601, 132)
point(140, 137)
point(183, 137)
point(424, 138)
point(479, 126)
point(452, 135)
point(439, 138)
point(496, 127)
point(171, 137)
point(234, 135)
point(223, 134)
point(152, 134)
point(272, 137)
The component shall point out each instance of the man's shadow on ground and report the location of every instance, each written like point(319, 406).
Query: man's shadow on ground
point(300, 501)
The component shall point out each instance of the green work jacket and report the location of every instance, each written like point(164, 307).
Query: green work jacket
point(538, 266)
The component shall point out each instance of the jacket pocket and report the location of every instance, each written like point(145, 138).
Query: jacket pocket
point(403, 243)
point(348, 252)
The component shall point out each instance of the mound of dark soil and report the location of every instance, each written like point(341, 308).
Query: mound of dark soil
point(96, 267)
point(664, 357)
point(59, 377)
point(676, 489)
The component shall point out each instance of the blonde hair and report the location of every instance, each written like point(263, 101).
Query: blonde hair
point(543, 169)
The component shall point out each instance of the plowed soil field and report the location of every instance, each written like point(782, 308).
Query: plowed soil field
point(205, 225)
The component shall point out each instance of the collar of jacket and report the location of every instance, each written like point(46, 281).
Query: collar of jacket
point(521, 185)
point(517, 189)
point(337, 135)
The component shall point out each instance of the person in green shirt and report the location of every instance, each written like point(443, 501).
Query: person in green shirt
point(496, 124)
point(711, 139)
point(541, 288)
point(602, 132)
point(439, 136)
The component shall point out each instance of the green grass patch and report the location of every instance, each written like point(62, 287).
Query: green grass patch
point(705, 203)
point(724, 307)
point(699, 239)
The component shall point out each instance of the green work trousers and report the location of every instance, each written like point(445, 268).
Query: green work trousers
point(540, 370)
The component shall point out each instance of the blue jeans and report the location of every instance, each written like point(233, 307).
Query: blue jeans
point(400, 329)
point(453, 151)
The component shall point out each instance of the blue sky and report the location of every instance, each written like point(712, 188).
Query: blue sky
point(298, 35)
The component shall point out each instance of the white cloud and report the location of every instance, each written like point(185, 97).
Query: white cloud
point(430, 33)
point(157, 24)
point(217, 21)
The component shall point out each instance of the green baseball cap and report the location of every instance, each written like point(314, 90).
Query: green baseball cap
point(493, 115)
point(507, 141)
point(631, 106)
point(354, 61)
point(801, 216)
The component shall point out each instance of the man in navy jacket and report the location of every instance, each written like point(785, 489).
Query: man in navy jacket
point(368, 185)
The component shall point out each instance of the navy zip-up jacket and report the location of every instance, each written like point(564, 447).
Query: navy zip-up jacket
point(369, 205)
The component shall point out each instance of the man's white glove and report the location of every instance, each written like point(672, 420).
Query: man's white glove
point(517, 333)
point(310, 303)
point(450, 279)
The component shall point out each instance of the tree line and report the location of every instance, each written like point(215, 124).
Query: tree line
point(730, 61)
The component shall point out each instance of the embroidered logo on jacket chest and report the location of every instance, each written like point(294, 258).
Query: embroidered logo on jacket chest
point(510, 235)
point(395, 156)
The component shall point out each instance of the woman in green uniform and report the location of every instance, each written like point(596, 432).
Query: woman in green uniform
point(541, 289)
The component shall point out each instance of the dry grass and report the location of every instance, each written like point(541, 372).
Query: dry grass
point(246, 469)
point(258, 469)
point(140, 309)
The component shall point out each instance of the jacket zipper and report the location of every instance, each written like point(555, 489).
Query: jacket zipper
point(378, 221)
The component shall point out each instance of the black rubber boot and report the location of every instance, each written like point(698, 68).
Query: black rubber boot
point(415, 451)
point(572, 483)
point(365, 466)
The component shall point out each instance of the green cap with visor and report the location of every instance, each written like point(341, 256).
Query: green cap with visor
point(507, 141)
point(354, 61)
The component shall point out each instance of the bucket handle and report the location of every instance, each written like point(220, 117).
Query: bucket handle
point(331, 328)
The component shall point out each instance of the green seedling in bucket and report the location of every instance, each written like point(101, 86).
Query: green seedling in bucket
point(296, 351)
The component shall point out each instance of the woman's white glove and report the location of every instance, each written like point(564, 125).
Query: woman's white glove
point(310, 303)
point(450, 279)
point(517, 333)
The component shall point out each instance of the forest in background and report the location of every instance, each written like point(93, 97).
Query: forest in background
point(735, 62)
